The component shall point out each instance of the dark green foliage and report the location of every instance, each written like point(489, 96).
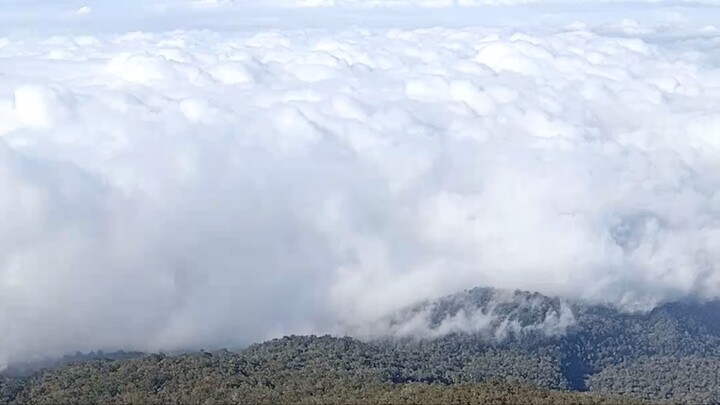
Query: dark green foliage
point(310, 370)
point(669, 354)
point(692, 379)
point(603, 342)
point(23, 369)
point(468, 358)
point(10, 387)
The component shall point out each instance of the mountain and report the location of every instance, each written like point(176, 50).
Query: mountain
point(468, 347)
point(671, 352)
point(295, 369)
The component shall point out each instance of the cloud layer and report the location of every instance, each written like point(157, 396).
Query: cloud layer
point(194, 189)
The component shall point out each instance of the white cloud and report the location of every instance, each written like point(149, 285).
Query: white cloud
point(84, 10)
point(181, 188)
point(495, 316)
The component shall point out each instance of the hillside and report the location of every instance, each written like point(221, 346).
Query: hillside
point(294, 369)
point(671, 352)
point(525, 346)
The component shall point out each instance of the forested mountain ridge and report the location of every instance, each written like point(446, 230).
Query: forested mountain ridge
point(521, 345)
point(599, 349)
point(296, 369)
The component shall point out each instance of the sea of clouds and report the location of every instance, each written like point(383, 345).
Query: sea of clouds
point(184, 188)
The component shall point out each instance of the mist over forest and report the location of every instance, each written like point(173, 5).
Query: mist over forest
point(523, 194)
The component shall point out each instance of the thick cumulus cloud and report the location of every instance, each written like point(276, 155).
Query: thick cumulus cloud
point(189, 189)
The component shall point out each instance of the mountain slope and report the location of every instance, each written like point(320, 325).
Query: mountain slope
point(298, 369)
point(474, 345)
point(569, 345)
